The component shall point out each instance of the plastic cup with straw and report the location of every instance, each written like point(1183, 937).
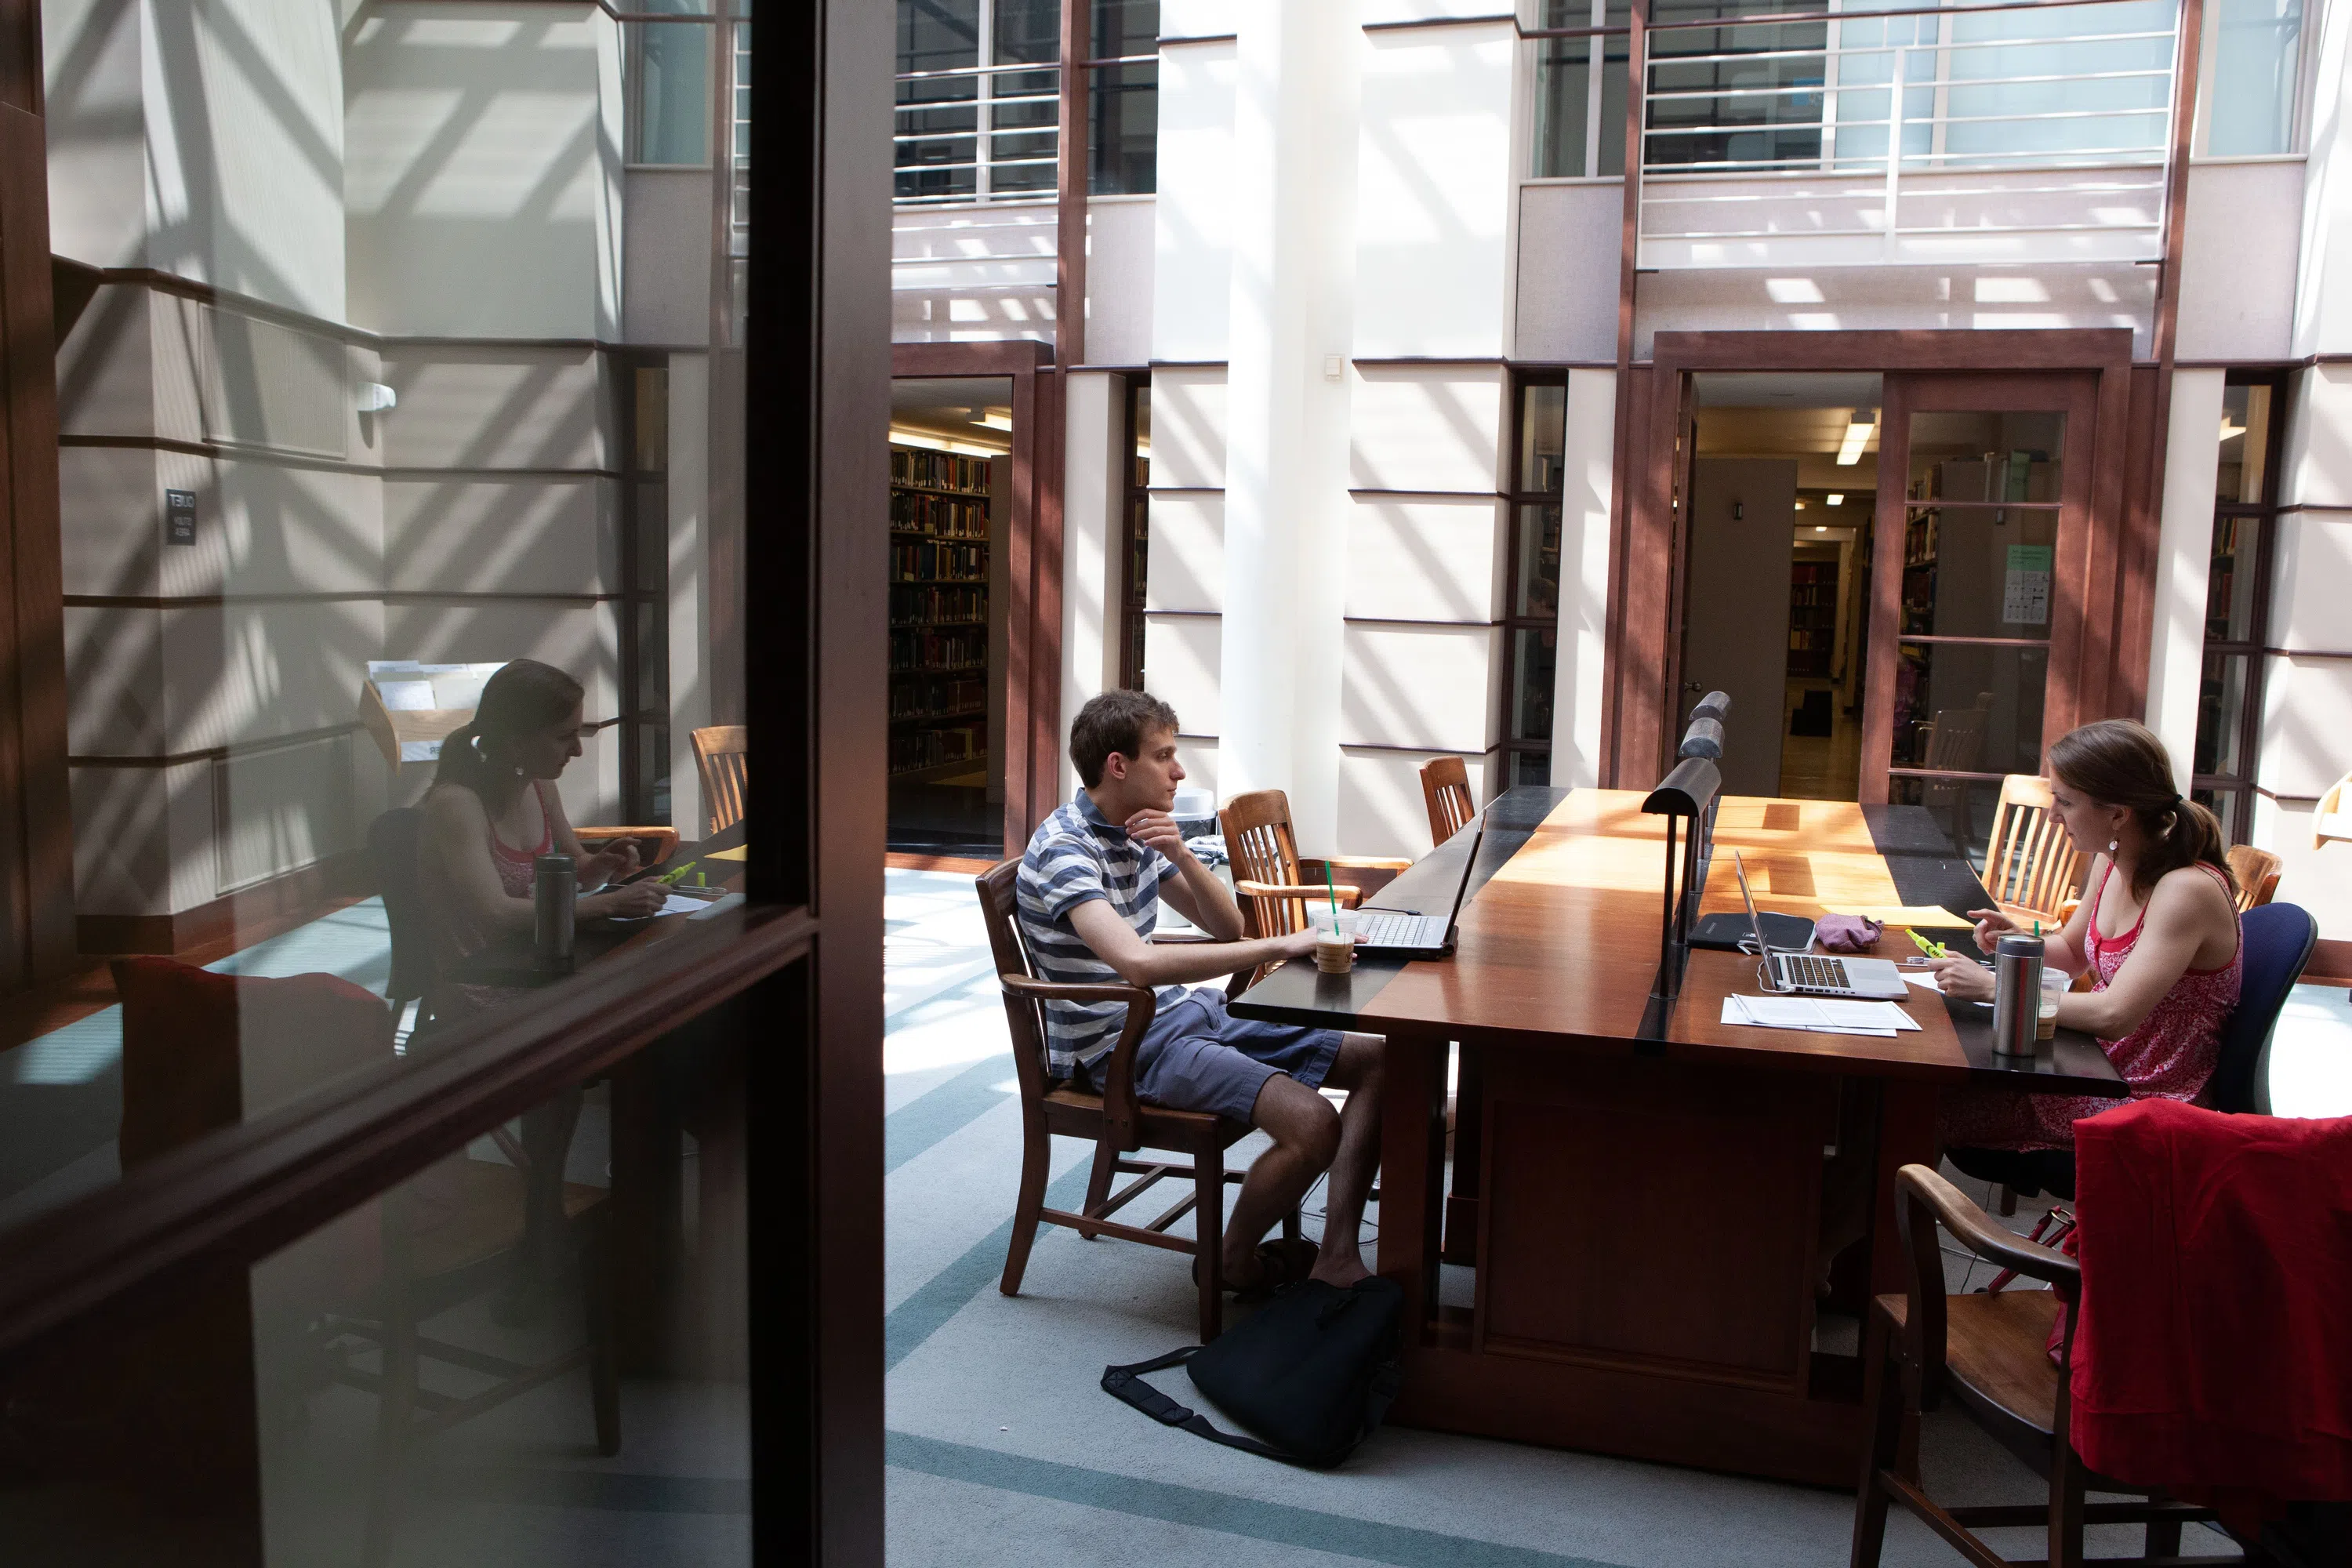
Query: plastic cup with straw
point(1336, 955)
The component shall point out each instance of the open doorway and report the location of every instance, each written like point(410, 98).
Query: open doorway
point(950, 510)
point(1776, 601)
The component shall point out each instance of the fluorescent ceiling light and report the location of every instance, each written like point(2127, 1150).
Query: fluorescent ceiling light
point(1837, 498)
point(905, 438)
point(1820, 527)
point(2230, 431)
point(1858, 432)
point(1800, 506)
point(993, 418)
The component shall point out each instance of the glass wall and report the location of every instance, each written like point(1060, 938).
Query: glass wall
point(2237, 599)
point(1135, 509)
point(1123, 98)
point(1581, 90)
point(2256, 58)
point(1532, 623)
point(668, 82)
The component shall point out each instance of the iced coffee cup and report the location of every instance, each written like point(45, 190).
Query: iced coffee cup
point(2054, 984)
point(1335, 950)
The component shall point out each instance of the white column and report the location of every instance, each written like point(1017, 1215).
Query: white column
point(2175, 664)
point(1292, 200)
point(1092, 492)
point(1586, 461)
point(689, 589)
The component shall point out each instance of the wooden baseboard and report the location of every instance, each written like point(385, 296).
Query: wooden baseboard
point(2330, 960)
point(233, 922)
point(899, 862)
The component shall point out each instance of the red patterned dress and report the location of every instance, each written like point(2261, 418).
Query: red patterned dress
point(456, 936)
point(2171, 1054)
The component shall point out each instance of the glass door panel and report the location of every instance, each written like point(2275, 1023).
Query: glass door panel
point(1982, 486)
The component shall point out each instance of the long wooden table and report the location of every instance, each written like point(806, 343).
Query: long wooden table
point(1640, 1207)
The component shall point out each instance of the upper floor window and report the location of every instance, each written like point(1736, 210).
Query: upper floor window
point(667, 79)
point(2254, 52)
point(1579, 89)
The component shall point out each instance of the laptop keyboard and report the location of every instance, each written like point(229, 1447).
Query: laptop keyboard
point(1813, 972)
point(1398, 931)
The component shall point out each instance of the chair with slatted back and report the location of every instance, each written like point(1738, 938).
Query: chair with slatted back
point(1114, 1122)
point(1445, 791)
point(2256, 872)
point(1991, 1353)
point(2031, 869)
point(1954, 743)
point(721, 756)
point(1277, 889)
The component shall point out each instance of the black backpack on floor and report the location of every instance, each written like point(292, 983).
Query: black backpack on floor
point(1312, 1374)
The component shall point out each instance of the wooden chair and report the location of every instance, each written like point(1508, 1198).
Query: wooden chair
point(1114, 1122)
point(1445, 791)
point(721, 756)
point(1275, 886)
point(654, 844)
point(2256, 872)
point(1954, 742)
point(2031, 870)
point(1990, 1353)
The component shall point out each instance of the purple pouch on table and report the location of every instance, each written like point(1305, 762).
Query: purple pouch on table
point(1846, 933)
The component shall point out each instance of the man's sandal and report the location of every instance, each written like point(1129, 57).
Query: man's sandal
point(1280, 1263)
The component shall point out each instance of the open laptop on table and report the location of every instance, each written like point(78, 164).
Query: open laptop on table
point(1393, 933)
point(1816, 972)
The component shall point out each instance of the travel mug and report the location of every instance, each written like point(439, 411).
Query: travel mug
point(554, 888)
point(2016, 995)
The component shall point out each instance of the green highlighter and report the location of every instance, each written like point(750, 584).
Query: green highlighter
point(1932, 949)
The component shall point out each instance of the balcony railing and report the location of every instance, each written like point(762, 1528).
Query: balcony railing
point(1989, 133)
point(978, 133)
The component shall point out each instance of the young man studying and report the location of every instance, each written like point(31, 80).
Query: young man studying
point(1089, 891)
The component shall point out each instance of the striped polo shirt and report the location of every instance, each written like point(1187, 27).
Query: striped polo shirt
point(1076, 855)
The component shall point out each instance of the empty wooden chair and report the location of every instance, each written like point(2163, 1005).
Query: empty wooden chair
point(1990, 1353)
point(1275, 886)
point(1954, 743)
point(2031, 869)
point(1114, 1122)
point(720, 757)
point(2256, 872)
point(1445, 791)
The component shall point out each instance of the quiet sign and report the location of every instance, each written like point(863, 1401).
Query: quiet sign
point(179, 517)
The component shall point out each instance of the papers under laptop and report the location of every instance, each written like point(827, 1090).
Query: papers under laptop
point(1393, 933)
point(1815, 972)
point(1819, 1016)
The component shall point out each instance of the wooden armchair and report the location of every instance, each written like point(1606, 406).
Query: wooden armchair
point(722, 756)
point(1117, 1122)
point(2031, 869)
point(654, 844)
point(1275, 886)
point(1990, 1353)
point(1445, 791)
point(2256, 872)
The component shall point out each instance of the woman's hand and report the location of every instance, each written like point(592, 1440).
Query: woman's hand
point(609, 865)
point(1964, 977)
point(635, 901)
point(1991, 926)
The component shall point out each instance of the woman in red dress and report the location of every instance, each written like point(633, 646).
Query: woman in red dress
point(2159, 929)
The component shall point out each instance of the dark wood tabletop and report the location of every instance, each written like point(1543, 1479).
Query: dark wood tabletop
point(1557, 941)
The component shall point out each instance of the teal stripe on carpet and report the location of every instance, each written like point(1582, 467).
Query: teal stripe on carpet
point(943, 1295)
point(943, 1109)
point(1279, 1523)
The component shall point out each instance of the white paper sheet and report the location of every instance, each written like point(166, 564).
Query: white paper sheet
point(1819, 1015)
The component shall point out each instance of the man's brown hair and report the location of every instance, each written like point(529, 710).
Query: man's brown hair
point(1115, 721)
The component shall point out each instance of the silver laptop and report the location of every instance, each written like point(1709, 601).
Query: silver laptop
point(1395, 933)
point(1818, 972)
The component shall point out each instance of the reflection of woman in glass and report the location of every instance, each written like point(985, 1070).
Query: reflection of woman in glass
point(2162, 937)
point(490, 814)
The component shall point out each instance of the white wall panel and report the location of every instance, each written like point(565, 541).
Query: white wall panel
point(1587, 462)
point(538, 535)
point(1425, 558)
point(2242, 230)
point(106, 366)
point(1571, 242)
point(250, 671)
point(114, 681)
point(2316, 468)
point(497, 408)
point(1122, 232)
point(96, 123)
point(665, 256)
point(2312, 878)
point(1197, 756)
point(1187, 567)
point(2322, 307)
point(1092, 541)
point(1436, 196)
point(1916, 297)
point(1381, 808)
point(2184, 552)
point(266, 529)
point(1180, 656)
point(972, 272)
point(122, 839)
point(1427, 427)
point(1191, 216)
point(1188, 428)
point(1424, 688)
point(2306, 716)
point(2310, 585)
point(283, 808)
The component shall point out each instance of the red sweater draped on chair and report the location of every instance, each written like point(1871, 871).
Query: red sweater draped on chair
point(2217, 1274)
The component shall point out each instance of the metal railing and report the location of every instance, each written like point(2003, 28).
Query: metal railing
point(1899, 138)
point(978, 133)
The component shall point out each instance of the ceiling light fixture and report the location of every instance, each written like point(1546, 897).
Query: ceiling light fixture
point(1820, 527)
point(1837, 498)
point(1800, 506)
point(993, 418)
point(1859, 429)
point(905, 438)
point(2228, 431)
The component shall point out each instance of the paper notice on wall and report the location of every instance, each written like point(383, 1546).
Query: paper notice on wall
point(2025, 586)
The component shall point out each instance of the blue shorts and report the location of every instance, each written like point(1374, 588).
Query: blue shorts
point(1198, 1056)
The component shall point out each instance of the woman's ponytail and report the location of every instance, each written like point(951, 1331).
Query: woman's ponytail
point(2118, 762)
point(461, 759)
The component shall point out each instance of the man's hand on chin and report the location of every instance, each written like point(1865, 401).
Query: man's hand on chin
point(1157, 830)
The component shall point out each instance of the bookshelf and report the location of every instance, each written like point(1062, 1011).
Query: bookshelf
point(1812, 617)
point(938, 614)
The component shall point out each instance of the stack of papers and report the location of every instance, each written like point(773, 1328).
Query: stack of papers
point(1819, 1015)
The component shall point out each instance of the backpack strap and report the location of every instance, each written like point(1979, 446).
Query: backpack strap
point(1123, 1382)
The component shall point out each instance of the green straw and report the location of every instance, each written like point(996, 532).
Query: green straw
point(1334, 889)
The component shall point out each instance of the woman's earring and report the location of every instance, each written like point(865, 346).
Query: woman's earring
point(519, 774)
point(2111, 843)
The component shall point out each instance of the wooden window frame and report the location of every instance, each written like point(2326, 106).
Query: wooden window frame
point(1134, 530)
point(1515, 499)
point(2266, 513)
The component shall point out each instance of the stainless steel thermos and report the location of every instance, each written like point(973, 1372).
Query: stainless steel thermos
point(2016, 993)
point(555, 886)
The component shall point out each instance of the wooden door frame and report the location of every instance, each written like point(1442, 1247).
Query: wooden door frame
point(1033, 545)
point(1642, 673)
point(2074, 392)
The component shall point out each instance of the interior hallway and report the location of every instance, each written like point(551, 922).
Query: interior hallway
point(1815, 766)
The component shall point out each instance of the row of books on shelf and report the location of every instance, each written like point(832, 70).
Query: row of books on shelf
point(922, 560)
point(919, 649)
point(944, 515)
point(945, 696)
point(921, 606)
point(1919, 536)
point(917, 748)
point(1804, 639)
point(939, 471)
